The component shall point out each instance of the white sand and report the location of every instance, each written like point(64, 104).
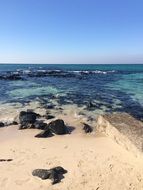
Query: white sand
point(93, 162)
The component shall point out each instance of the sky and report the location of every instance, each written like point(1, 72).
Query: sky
point(71, 31)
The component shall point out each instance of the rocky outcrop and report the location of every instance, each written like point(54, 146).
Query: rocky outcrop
point(124, 129)
point(55, 174)
point(11, 77)
point(27, 119)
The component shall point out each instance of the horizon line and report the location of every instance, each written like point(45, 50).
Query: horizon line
point(74, 63)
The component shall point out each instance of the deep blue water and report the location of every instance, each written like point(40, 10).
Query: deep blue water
point(110, 88)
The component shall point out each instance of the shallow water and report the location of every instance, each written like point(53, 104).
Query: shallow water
point(109, 88)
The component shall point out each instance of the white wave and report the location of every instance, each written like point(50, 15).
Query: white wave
point(93, 72)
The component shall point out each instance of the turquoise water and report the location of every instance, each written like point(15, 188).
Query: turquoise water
point(109, 87)
point(90, 67)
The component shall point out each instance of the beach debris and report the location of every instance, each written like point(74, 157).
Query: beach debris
point(1, 124)
point(58, 127)
point(55, 174)
point(6, 160)
point(27, 118)
point(44, 134)
point(87, 128)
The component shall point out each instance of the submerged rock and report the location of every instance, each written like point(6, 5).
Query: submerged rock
point(55, 174)
point(11, 77)
point(90, 105)
point(58, 127)
point(87, 128)
point(50, 106)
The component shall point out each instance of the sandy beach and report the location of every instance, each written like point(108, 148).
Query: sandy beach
point(93, 161)
point(71, 95)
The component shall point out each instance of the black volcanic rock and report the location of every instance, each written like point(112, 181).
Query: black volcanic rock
point(55, 174)
point(90, 105)
point(49, 116)
point(58, 127)
point(1, 124)
point(14, 123)
point(87, 128)
point(44, 134)
point(27, 119)
point(39, 125)
point(11, 77)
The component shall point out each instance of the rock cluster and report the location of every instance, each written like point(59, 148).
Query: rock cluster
point(28, 119)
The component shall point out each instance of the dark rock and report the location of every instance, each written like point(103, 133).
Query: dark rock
point(49, 116)
point(50, 106)
point(39, 125)
point(44, 134)
point(31, 110)
point(60, 108)
point(87, 128)
point(41, 173)
point(26, 126)
point(58, 127)
point(27, 119)
point(55, 174)
point(1, 124)
point(90, 104)
point(14, 123)
point(11, 77)
point(8, 123)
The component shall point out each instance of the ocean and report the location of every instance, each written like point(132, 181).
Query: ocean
point(100, 88)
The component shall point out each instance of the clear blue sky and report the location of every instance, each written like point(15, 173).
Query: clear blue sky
point(71, 31)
